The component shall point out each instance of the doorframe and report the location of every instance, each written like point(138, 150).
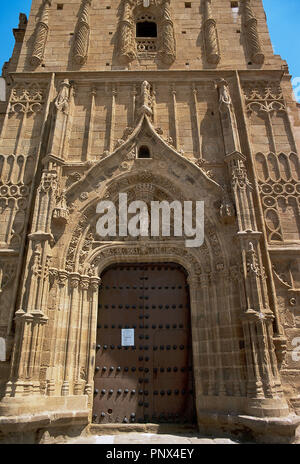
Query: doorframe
point(188, 281)
point(109, 254)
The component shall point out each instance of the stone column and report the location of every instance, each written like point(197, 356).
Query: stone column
point(24, 379)
point(70, 333)
point(31, 317)
point(167, 48)
point(212, 48)
point(55, 370)
point(41, 35)
point(95, 282)
point(82, 36)
point(252, 37)
point(127, 45)
point(81, 337)
point(263, 382)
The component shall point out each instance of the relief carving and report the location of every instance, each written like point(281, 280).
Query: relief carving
point(251, 31)
point(82, 35)
point(63, 98)
point(278, 173)
point(15, 187)
point(168, 46)
point(131, 47)
point(27, 98)
point(211, 40)
point(41, 35)
point(127, 51)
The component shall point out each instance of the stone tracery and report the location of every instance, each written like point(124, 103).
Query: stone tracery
point(130, 47)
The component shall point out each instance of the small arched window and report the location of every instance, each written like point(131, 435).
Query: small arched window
point(144, 152)
point(146, 29)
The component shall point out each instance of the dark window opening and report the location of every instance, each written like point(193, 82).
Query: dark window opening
point(146, 29)
point(144, 152)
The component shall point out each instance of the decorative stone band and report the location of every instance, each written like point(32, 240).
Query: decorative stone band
point(84, 282)
point(32, 317)
point(252, 37)
point(41, 35)
point(82, 36)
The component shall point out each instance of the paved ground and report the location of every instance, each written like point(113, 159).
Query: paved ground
point(148, 439)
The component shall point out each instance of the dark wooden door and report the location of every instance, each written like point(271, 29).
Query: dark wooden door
point(151, 381)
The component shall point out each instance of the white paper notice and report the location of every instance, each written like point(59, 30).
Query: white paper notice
point(127, 337)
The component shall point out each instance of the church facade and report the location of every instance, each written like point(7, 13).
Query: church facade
point(164, 101)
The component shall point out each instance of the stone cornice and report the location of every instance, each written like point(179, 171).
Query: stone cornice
point(89, 77)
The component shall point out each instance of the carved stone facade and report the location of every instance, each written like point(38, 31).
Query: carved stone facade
point(88, 93)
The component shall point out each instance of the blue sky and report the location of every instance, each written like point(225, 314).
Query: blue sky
point(283, 20)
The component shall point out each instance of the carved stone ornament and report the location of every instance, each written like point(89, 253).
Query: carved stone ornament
point(168, 46)
point(82, 35)
point(212, 47)
point(252, 37)
point(131, 47)
point(63, 97)
point(27, 98)
point(61, 213)
point(127, 49)
point(41, 35)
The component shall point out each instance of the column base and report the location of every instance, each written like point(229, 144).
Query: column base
point(30, 406)
point(267, 407)
point(42, 419)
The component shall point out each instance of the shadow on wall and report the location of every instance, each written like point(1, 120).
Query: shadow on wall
point(2, 89)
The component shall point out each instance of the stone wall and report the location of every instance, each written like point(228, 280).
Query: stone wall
point(191, 25)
